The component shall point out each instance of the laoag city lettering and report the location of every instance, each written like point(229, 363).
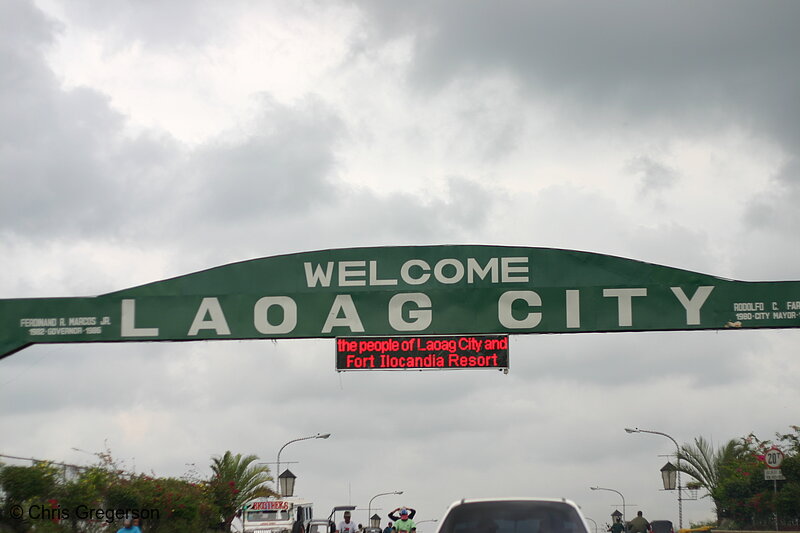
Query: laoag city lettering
point(408, 312)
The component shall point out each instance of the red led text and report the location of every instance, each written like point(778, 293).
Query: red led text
point(421, 353)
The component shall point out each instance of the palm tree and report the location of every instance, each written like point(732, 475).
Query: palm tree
point(707, 465)
point(235, 482)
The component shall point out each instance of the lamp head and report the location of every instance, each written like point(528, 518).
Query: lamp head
point(634, 430)
point(324, 436)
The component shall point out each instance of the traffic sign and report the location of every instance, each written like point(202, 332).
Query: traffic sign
point(773, 458)
point(773, 474)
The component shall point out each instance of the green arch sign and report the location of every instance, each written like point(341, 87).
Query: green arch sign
point(400, 290)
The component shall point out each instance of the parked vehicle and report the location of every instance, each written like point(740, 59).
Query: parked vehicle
point(661, 526)
point(328, 525)
point(270, 515)
point(320, 526)
point(530, 515)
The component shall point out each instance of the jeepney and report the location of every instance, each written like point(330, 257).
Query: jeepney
point(271, 515)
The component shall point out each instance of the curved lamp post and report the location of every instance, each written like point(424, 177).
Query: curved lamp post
point(369, 506)
point(678, 455)
point(593, 522)
point(620, 495)
point(317, 436)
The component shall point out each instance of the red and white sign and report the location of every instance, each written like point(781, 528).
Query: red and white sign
point(270, 506)
point(773, 458)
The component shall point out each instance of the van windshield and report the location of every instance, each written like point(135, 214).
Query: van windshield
point(267, 516)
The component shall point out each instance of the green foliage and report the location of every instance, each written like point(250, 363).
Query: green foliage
point(169, 505)
point(708, 466)
point(733, 476)
point(25, 483)
point(235, 482)
point(172, 504)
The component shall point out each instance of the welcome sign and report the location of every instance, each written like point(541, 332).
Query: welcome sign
point(406, 290)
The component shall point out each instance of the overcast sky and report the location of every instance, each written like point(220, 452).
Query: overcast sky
point(145, 140)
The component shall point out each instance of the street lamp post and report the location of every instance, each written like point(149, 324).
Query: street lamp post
point(369, 505)
point(620, 495)
point(286, 483)
point(593, 522)
point(317, 436)
point(678, 455)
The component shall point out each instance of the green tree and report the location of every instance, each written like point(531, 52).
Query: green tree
point(707, 465)
point(781, 497)
point(89, 489)
point(26, 486)
point(733, 475)
point(167, 505)
point(235, 481)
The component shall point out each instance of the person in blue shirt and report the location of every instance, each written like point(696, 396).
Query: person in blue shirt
point(128, 527)
point(388, 528)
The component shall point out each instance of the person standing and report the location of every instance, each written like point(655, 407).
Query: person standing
point(405, 521)
point(617, 527)
point(346, 526)
point(128, 527)
point(388, 528)
point(639, 524)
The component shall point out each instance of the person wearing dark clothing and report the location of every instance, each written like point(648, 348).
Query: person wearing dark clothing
point(617, 527)
point(639, 524)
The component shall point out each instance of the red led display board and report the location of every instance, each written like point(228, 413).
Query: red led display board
point(422, 352)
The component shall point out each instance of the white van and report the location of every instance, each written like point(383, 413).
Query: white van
point(270, 515)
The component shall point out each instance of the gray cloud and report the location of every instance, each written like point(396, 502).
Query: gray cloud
point(775, 209)
point(704, 359)
point(679, 63)
point(654, 176)
point(283, 165)
point(66, 169)
point(149, 23)
point(85, 176)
